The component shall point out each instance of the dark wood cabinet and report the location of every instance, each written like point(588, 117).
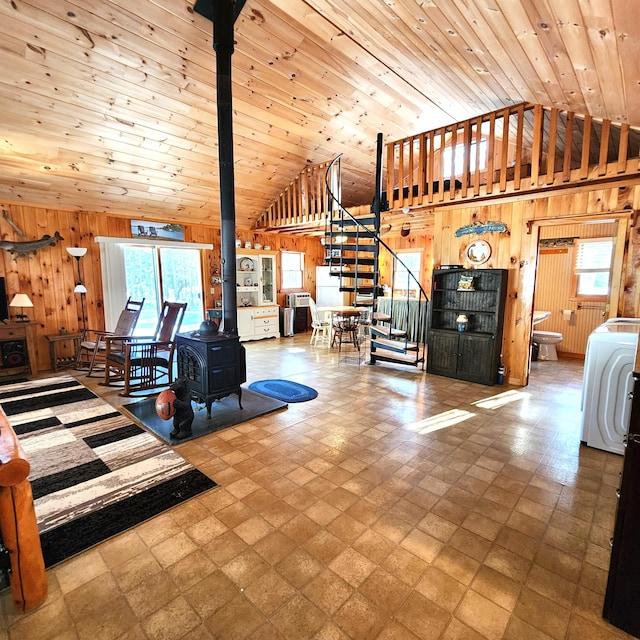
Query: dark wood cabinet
point(480, 295)
point(623, 582)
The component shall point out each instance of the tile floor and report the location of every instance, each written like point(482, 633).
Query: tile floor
point(397, 506)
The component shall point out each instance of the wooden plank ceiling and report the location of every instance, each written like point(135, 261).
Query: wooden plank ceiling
point(109, 105)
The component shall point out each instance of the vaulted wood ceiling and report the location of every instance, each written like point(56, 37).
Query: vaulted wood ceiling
point(109, 105)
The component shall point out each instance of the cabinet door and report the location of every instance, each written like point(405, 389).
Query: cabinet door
point(245, 323)
point(476, 361)
point(267, 279)
point(442, 356)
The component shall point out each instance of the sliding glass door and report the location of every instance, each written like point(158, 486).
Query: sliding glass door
point(163, 273)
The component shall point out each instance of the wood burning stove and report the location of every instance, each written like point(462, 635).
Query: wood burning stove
point(213, 363)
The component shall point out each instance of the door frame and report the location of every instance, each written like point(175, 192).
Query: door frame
point(624, 220)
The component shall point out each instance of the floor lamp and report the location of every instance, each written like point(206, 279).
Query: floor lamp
point(77, 253)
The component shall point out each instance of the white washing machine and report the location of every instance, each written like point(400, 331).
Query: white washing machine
point(608, 382)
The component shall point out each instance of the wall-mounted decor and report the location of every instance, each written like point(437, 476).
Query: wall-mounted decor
point(547, 243)
point(147, 229)
point(27, 247)
point(478, 252)
point(481, 227)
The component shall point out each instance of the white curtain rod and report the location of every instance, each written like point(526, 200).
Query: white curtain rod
point(154, 242)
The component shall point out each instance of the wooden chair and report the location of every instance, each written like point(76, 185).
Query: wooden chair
point(142, 363)
point(320, 329)
point(93, 346)
point(347, 330)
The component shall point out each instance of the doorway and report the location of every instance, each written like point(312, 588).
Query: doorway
point(575, 316)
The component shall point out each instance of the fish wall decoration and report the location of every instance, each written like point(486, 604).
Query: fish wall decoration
point(29, 246)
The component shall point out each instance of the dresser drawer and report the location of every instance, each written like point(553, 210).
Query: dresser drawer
point(265, 312)
point(260, 323)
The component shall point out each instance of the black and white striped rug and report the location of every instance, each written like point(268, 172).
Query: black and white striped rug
point(94, 473)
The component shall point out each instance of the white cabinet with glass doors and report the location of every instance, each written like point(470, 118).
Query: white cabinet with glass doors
point(256, 294)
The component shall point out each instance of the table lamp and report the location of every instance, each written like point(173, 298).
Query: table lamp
point(21, 300)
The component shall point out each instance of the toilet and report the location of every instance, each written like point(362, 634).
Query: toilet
point(547, 341)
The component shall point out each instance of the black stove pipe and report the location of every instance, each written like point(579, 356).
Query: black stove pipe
point(223, 19)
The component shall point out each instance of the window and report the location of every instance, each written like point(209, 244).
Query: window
point(403, 283)
point(475, 159)
point(292, 267)
point(154, 270)
point(160, 273)
point(592, 268)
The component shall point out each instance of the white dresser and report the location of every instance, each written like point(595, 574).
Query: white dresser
point(255, 323)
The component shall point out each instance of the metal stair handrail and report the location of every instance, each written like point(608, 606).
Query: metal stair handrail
point(335, 205)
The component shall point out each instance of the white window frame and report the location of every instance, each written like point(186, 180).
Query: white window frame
point(284, 271)
point(400, 283)
point(580, 268)
point(113, 270)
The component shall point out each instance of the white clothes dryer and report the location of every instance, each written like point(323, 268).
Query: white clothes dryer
point(608, 383)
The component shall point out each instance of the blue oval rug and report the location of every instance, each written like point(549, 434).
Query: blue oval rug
point(284, 390)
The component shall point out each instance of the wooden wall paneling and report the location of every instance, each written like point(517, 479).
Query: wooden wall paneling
point(631, 299)
point(519, 308)
point(616, 303)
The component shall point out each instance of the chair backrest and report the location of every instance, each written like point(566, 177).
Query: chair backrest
point(315, 318)
point(128, 318)
point(348, 322)
point(169, 321)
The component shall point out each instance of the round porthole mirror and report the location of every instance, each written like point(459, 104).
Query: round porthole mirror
point(478, 252)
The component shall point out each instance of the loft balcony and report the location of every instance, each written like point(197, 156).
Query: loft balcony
point(520, 150)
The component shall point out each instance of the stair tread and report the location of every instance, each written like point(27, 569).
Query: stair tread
point(388, 331)
point(354, 247)
point(381, 317)
point(394, 345)
point(350, 260)
point(395, 356)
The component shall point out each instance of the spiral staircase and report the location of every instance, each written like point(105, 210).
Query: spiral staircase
point(353, 250)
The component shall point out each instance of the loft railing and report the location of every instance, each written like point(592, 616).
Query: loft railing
point(304, 200)
point(517, 149)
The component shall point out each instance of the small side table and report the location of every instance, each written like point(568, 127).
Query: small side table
point(59, 361)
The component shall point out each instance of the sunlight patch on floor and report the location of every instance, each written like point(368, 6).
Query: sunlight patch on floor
point(501, 399)
point(441, 421)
